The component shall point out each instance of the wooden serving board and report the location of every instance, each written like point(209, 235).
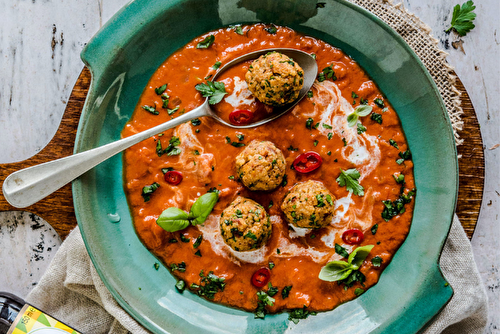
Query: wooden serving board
point(58, 208)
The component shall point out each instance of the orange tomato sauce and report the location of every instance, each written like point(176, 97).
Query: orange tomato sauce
point(207, 161)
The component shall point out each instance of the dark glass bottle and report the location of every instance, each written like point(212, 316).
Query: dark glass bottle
point(17, 317)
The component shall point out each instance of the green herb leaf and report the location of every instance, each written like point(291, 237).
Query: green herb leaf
point(358, 291)
point(216, 65)
point(462, 18)
point(206, 43)
point(363, 110)
point(238, 29)
point(358, 256)
point(361, 128)
point(352, 119)
point(271, 29)
point(173, 219)
point(203, 207)
point(335, 271)
point(150, 109)
point(215, 91)
point(299, 313)
point(148, 190)
point(160, 90)
point(374, 229)
point(349, 179)
point(377, 261)
point(379, 102)
point(341, 251)
point(376, 117)
point(286, 291)
point(180, 285)
point(393, 143)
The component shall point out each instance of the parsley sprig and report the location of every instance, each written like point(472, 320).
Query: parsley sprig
point(215, 91)
point(462, 18)
point(349, 179)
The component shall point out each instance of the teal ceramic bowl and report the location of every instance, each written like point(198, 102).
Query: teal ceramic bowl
point(122, 57)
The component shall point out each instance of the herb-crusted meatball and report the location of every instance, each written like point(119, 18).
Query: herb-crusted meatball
point(245, 225)
point(309, 205)
point(275, 79)
point(261, 166)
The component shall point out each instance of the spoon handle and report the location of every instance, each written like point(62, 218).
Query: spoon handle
point(27, 186)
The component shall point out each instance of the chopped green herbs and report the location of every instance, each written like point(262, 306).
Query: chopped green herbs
point(341, 251)
point(216, 65)
point(148, 190)
point(180, 285)
point(297, 314)
point(181, 267)
point(206, 43)
point(235, 143)
point(197, 242)
point(310, 94)
point(359, 291)
point(271, 29)
point(379, 102)
point(263, 300)
point(293, 149)
point(195, 122)
point(396, 207)
point(326, 126)
point(400, 179)
point(156, 266)
point(152, 110)
point(393, 143)
point(209, 285)
point(377, 261)
point(349, 179)
point(237, 29)
point(215, 91)
point(271, 265)
point(171, 149)
point(361, 128)
point(376, 117)
point(374, 229)
point(327, 73)
point(286, 291)
point(240, 137)
point(160, 90)
point(309, 123)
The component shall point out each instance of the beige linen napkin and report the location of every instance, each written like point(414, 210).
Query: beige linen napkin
point(72, 291)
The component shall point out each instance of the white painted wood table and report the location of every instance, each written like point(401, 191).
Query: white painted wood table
point(40, 43)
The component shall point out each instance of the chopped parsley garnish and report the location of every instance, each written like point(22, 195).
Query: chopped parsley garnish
point(206, 43)
point(271, 265)
point(235, 143)
point(209, 285)
point(359, 291)
point(263, 299)
point(377, 261)
point(152, 110)
point(237, 29)
point(400, 179)
point(291, 148)
point(327, 73)
point(215, 91)
point(171, 149)
point(240, 137)
point(310, 94)
point(341, 251)
point(354, 95)
point(197, 242)
point(326, 126)
point(180, 285)
point(216, 65)
point(184, 239)
point(462, 18)
point(181, 267)
point(297, 314)
point(272, 290)
point(396, 207)
point(160, 90)
point(361, 128)
point(315, 143)
point(379, 102)
point(148, 190)
point(329, 135)
point(349, 179)
point(376, 117)
point(286, 291)
point(309, 123)
point(374, 229)
point(198, 253)
point(271, 29)
point(363, 101)
point(196, 122)
point(406, 155)
point(393, 143)
point(156, 265)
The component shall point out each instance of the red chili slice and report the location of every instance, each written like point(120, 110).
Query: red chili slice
point(173, 177)
point(241, 117)
point(353, 237)
point(261, 277)
point(307, 162)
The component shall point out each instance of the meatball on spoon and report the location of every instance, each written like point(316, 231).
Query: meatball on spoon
point(27, 186)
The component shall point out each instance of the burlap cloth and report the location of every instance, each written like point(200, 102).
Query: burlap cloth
point(72, 291)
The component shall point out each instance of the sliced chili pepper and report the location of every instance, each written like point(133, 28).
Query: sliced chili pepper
point(307, 162)
point(173, 177)
point(261, 277)
point(353, 237)
point(241, 117)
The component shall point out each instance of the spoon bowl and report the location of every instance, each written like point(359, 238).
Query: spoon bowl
point(28, 186)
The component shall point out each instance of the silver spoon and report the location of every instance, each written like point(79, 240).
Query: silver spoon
point(27, 186)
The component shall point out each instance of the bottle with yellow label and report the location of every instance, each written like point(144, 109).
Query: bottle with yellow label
point(16, 317)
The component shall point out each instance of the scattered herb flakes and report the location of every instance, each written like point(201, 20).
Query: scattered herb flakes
point(272, 290)
point(156, 265)
point(354, 95)
point(344, 141)
point(198, 253)
point(240, 137)
point(172, 148)
point(400, 179)
point(183, 238)
point(341, 251)
point(462, 18)
point(271, 29)
point(293, 149)
point(329, 153)
point(326, 126)
point(286, 291)
point(377, 261)
point(237, 29)
point(363, 101)
point(206, 43)
point(327, 73)
point(180, 267)
point(271, 265)
point(180, 285)
point(152, 110)
point(231, 177)
point(393, 143)
point(271, 203)
point(315, 143)
point(263, 300)
point(216, 65)
point(361, 128)
point(309, 123)
point(172, 111)
point(406, 155)
point(197, 242)
point(379, 102)
point(160, 90)
point(285, 180)
point(359, 291)
point(329, 135)
point(196, 122)
point(376, 117)
point(209, 285)
point(297, 314)
point(374, 229)
point(148, 190)
point(310, 94)
point(396, 207)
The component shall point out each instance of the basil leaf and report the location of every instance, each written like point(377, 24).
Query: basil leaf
point(204, 44)
point(173, 219)
point(203, 207)
point(358, 256)
point(352, 119)
point(363, 110)
point(335, 271)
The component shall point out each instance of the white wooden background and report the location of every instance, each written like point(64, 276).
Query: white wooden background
point(40, 43)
